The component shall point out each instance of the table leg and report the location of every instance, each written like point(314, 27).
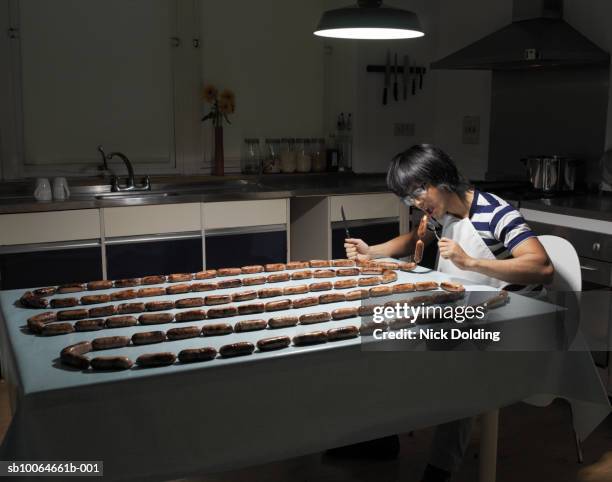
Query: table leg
point(488, 446)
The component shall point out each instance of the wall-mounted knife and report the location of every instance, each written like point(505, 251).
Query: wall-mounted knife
point(395, 73)
point(387, 77)
point(405, 77)
point(414, 76)
point(346, 229)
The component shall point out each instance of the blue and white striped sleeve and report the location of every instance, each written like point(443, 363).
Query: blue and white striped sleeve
point(509, 227)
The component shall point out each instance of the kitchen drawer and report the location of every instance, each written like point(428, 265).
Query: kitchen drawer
point(235, 214)
point(158, 219)
point(364, 206)
point(596, 272)
point(48, 227)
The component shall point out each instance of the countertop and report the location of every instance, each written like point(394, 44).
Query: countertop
point(592, 206)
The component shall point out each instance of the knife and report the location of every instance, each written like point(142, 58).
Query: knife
point(406, 76)
point(414, 78)
point(395, 78)
point(346, 229)
point(387, 77)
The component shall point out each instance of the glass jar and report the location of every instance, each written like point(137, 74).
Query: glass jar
point(317, 154)
point(287, 156)
point(271, 159)
point(250, 161)
point(303, 160)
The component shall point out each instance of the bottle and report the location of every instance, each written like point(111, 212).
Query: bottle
point(271, 162)
point(287, 156)
point(332, 154)
point(250, 162)
point(303, 160)
point(317, 153)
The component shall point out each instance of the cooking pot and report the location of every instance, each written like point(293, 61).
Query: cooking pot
point(551, 173)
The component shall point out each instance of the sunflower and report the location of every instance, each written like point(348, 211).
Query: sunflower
point(228, 95)
point(225, 106)
point(210, 93)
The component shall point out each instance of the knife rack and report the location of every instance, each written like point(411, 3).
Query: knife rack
point(400, 69)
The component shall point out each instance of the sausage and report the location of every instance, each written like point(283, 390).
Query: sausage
point(422, 230)
point(217, 299)
point(229, 271)
point(121, 322)
point(407, 266)
point(254, 281)
point(420, 300)
point(345, 284)
point(426, 285)
point(99, 285)
point(297, 265)
point(44, 318)
point(348, 272)
point(418, 251)
point(36, 325)
point(179, 277)
point(189, 303)
point(229, 283)
point(153, 280)
point(178, 289)
point(300, 275)
point(270, 292)
point(311, 338)
point(70, 288)
point(162, 305)
point(155, 318)
point(389, 276)
point(381, 291)
point(319, 263)
point(322, 286)
point(311, 318)
point(215, 329)
point(366, 310)
point(192, 355)
point(357, 295)
point(148, 292)
point(195, 287)
point(451, 286)
point(332, 298)
point(111, 363)
point(78, 348)
point(324, 273)
point(129, 308)
point(387, 265)
point(372, 269)
point(71, 315)
point(256, 268)
point(239, 348)
point(29, 300)
point(399, 323)
point(403, 288)
point(500, 299)
point(149, 337)
point(442, 297)
point(368, 327)
point(251, 308)
point(45, 291)
point(64, 302)
point(295, 290)
point(274, 267)
point(278, 278)
point(342, 333)
point(343, 263)
point(108, 342)
point(90, 325)
point(206, 274)
point(191, 315)
point(283, 321)
point(250, 325)
point(151, 360)
point(370, 281)
point(344, 313)
point(106, 310)
point(94, 299)
point(183, 333)
point(305, 302)
point(222, 312)
point(273, 343)
point(124, 295)
point(75, 361)
point(127, 283)
point(278, 305)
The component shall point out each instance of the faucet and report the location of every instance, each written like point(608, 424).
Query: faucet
point(130, 186)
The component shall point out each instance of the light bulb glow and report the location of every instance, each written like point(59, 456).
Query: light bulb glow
point(369, 33)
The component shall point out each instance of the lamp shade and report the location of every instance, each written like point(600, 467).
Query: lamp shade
point(369, 21)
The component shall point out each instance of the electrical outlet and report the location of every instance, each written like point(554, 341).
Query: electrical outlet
point(471, 129)
point(403, 129)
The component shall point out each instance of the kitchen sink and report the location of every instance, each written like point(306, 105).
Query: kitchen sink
point(136, 195)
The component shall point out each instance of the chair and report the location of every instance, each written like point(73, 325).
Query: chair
point(567, 278)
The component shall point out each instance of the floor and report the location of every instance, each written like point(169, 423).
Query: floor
point(535, 444)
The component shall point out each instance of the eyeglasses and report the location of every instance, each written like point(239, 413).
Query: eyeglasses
point(410, 199)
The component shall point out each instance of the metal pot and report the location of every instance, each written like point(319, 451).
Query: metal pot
point(551, 173)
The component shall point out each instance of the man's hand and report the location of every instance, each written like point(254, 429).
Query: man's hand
point(357, 249)
point(451, 250)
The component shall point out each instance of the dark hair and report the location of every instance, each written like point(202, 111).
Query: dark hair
point(425, 164)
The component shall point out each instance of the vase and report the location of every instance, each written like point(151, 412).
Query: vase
point(218, 162)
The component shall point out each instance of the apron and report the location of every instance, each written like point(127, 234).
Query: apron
point(462, 231)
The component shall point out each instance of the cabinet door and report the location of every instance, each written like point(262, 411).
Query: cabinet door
point(43, 268)
point(135, 259)
point(241, 249)
point(371, 233)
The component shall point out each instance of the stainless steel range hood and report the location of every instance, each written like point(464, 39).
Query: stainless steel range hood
point(538, 37)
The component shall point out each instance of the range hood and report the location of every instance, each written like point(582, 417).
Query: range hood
point(538, 37)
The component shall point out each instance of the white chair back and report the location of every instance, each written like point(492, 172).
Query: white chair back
point(568, 276)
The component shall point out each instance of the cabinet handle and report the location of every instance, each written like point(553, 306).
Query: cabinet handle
point(596, 247)
point(588, 268)
point(175, 41)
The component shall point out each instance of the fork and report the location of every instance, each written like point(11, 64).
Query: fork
point(433, 226)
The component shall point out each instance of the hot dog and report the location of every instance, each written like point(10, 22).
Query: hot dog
point(278, 305)
point(124, 295)
point(387, 265)
point(111, 363)
point(64, 302)
point(319, 263)
point(206, 274)
point(370, 281)
point(196, 287)
point(108, 342)
point(70, 288)
point(153, 280)
point(222, 312)
point(230, 283)
point(95, 299)
point(311, 338)
point(452, 286)
point(149, 337)
point(107, 310)
point(72, 315)
point(418, 251)
point(254, 281)
point(324, 273)
point(257, 268)
point(151, 360)
point(322, 286)
point(345, 284)
point(297, 265)
point(127, 283)
point(278, 278)
point(178, 289)
point(344, 313)
point(155, 318)
point(191, 315)
point(99, 285)
point(217, 299)
point(404, 288)
point(270, 292)
point(273, 343)
point(343, 263)
point(251, 308)
point(121, 322)
point(129, 308)
point(183, 333)
point(250, 325)
point(381, 291)
point(149, 292)
point(311, 318)
point(357, 295)
point(192, 355)
point(179, 277)
point(216, 329)
point(240, 348)
point(426, 285)
point(305, 302)
point(389, 276)
point(229, 271)
point(342, 333)
point(332, 298)
point(275, 267)
point(189, 303)
point(300, 275)
point(348, 272)
point(372, 269)
point(422, 230)
point(89, 325)
point(283, 321)
point(407, 266)
point(295, 290)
